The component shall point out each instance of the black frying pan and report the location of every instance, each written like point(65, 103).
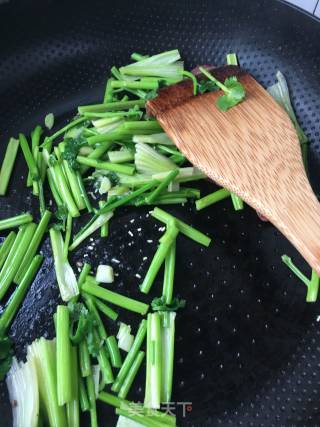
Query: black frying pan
point(247, 349)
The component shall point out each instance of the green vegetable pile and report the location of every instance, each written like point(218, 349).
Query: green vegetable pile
point(114, 149)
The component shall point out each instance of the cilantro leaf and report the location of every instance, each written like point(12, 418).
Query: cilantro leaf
point(71, 150)
point(158, 304)
point(206, 86)
point(234, 96)
point(234, 91)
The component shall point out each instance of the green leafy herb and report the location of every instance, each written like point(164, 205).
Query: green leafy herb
point(159, 304)
point(71, 150)
point(234, 91)
point(206, 86)
point(82, 323)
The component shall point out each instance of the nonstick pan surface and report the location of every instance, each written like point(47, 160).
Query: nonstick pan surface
point(248, 346)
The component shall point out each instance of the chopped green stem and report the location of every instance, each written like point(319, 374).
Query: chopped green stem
point(66, 128)
point(67, 236)
point(184, 228)
point(168, 279)
point(138, 57)
point(93, 310)
point(73, 413)
point(92, 400)
point(15, 221)
point(232, 59)
point(96, 154)
point(83, 193)
point(6, 247)
point(105, 227)
point(54, 190)
point(213, 79)
point(28, 157)
point(76, 190)
point(108, 93)
point(105, 309)
point(62, 187)
point(84, 359)
point(194, 81)
point(19, 294)
point(41, 197)
point(313, 287)
point(237, 202)
point(111, 114)
point(33, 246)
point(114, 167)
point(140, 84)
point(15, 256)
point(212, 198)
point(131, 356)
point(154, 356)
point(7, 164)
point(35, 141)
point(116, 299)
point(114, 352)
point(167, 363)
point(162, 186)
point(295, 270)
point(117, 402)
point(95, 224)
point(121, 156)
point(165, 243)
point(104, 362)
point(127, 383)
point(83, 275)
point(63, 356)
point(112, 106)
point(141, 128)
point(83, 397)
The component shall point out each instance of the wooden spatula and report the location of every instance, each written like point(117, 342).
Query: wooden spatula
point(252, 150)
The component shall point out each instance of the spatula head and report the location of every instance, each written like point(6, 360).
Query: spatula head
point(252, 150)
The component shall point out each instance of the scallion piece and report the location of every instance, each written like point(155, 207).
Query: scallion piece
point(7, 164)
point(184, 228)
point(116, 299)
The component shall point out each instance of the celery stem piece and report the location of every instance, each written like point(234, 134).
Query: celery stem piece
point(84, 359)
point(7, 164)
point(313, 287)
point(167, 339)
point(65, 128)
point(154, 356)
point(289, 263)
point(131, 356)
point(104, 231)
point(165, 243)
point(116, 299)
point(184, 228)
point(83, 397)
point(73, 415)
point(168, 279)
point(114, 352)
point(63, 188)
point(15, 256)
point(114, 167)
point(93, 310)
point(19, 294)
point(112, 106)
point(127, 383)
point(162, 186)
point(63, 356)
point(28, 157)
point(105, 309)
point(15, 221)
point(33, 246)
point(6, 247)
point(92, 400)
point(212, 198)
point(84, 194)
point(67, 236)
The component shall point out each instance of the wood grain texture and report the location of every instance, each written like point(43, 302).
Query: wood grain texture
point(253, 151)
